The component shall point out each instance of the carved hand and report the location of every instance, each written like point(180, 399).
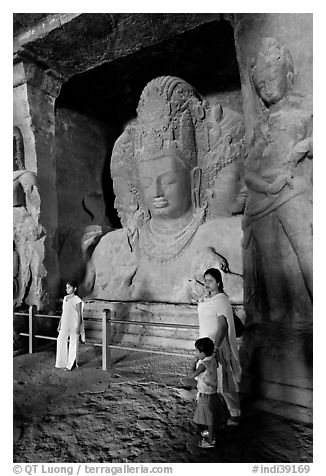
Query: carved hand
point(306, 147)
point(223, 264)
point(276, 186)
point(302, 149)
point(87, 284)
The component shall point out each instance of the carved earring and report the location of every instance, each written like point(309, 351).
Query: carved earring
point(196, 174)
point(290, 79)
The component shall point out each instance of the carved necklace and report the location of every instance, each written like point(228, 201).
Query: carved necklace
point(164, 242)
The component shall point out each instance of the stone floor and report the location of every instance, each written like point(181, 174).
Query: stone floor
point(140, 411)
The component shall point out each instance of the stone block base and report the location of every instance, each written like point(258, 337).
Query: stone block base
point(172, 327)
point(277, 370)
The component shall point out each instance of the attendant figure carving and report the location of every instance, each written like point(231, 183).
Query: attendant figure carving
point(24, 181)
point(278, 215)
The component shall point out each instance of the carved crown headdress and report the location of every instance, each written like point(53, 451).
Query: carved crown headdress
point(271, 52)
point(173, 119)
point(168, 111)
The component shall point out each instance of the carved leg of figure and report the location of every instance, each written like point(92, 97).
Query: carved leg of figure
point(296, 219)
point(255, 299)
point(269, 264)
point(284, 248)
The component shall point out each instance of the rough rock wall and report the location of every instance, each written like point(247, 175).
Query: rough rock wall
point(80, 157)
point(91, 39)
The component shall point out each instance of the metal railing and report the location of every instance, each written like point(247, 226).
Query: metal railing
point(106, 333)
point(32, 332)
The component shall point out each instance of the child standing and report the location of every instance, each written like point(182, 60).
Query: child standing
point(71, 325)
point(204, 370)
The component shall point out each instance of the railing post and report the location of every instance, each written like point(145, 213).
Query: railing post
point(106, 339)
point(31, 328)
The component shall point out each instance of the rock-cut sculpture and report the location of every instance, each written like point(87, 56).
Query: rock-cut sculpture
point(28, 234)
point(162, 166)
point(278, 216)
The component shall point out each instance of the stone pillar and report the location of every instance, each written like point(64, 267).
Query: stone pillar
point(277, 245)
point(35, 92)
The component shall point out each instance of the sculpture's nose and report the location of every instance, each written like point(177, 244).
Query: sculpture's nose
point(157, 189)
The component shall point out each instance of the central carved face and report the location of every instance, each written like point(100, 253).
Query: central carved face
point(271, 82)
point(166, 187)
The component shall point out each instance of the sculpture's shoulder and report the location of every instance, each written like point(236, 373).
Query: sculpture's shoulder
point(114, 248)
point(220, 236)
point(112, 240)
point(292, 112)
point(219, 228)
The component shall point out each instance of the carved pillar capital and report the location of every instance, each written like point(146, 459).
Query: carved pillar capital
point(45, 80)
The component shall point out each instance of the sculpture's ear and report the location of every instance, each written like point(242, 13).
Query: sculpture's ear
point(290, 79)
point(195, 187)
point(252, 68)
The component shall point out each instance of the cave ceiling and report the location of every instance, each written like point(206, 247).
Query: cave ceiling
point(106, 60)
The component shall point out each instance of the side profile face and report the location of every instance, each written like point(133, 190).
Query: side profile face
point(271, 82)
point(124, 201)
point(166, 187)
point(70, 289)
point(200, 354)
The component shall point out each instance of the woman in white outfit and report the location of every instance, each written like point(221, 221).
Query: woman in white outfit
point(216, 322)
point(70, 326)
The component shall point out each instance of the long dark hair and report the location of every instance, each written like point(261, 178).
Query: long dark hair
point(216, 274)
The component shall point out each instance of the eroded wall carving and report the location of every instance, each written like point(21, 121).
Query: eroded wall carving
point(82, 220)
point(164, 167)
point(28, 234)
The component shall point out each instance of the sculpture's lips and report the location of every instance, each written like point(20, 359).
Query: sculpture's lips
point(160, 203)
